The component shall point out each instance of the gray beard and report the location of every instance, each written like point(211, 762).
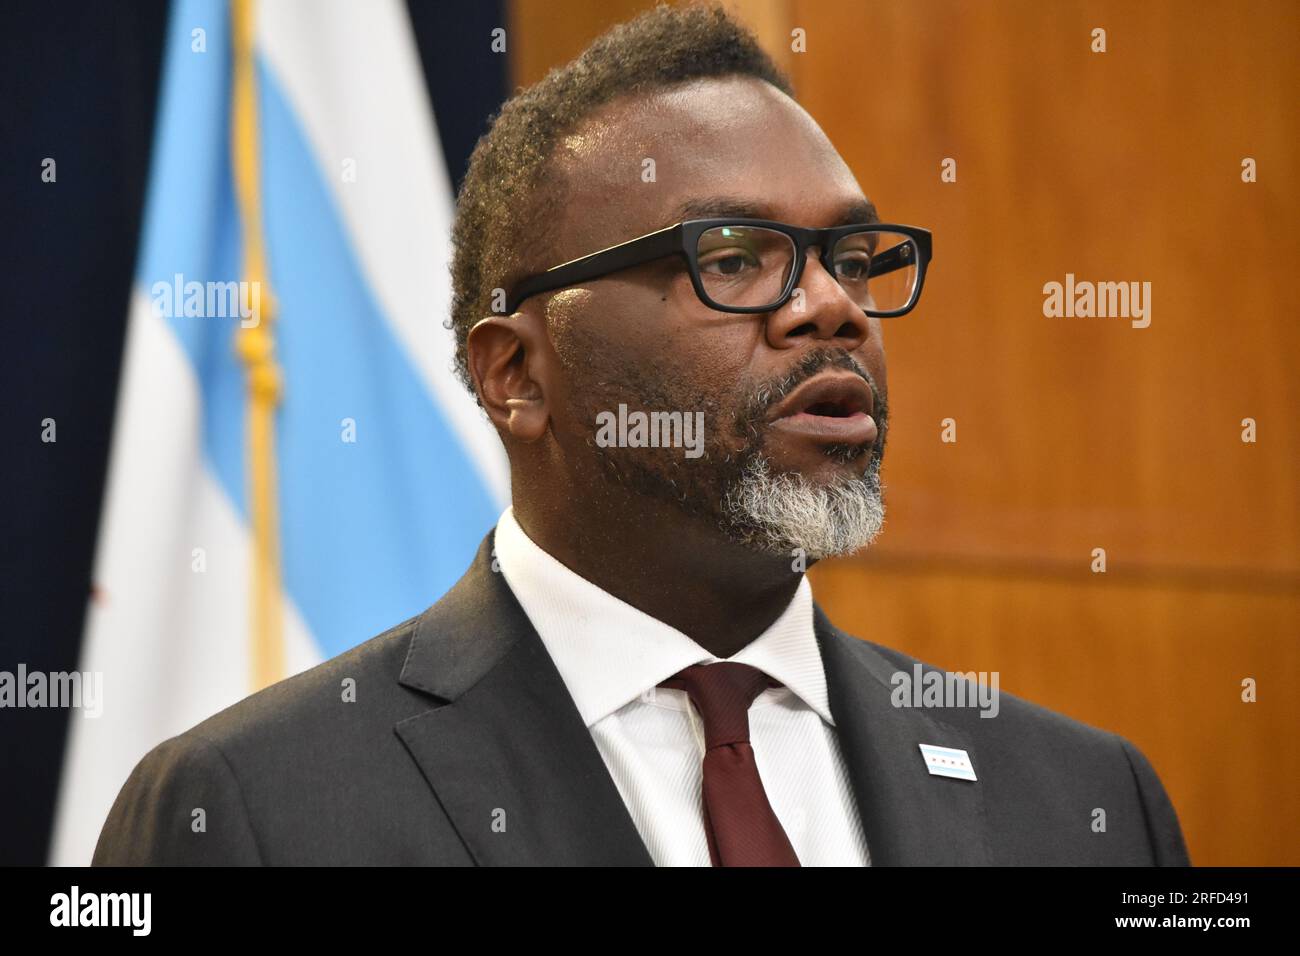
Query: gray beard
point(786, 514)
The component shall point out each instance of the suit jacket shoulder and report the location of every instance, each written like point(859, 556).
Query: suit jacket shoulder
point(1051, 789)
point(461, 746)
point(277, 777)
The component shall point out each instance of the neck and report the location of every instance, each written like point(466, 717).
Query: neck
point(670, 565)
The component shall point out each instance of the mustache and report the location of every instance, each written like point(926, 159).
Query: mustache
point(753, 414)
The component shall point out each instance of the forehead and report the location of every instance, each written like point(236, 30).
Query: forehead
point(734, 136)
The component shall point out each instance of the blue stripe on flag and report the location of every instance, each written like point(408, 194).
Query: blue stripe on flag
point(374, 531)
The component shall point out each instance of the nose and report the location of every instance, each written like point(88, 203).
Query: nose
point(820, 309)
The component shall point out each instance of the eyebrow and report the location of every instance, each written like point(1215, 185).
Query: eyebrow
point(857, 212)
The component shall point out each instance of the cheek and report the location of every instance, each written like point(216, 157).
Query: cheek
point(718, 349)
point(713, 367)
point(654, 341)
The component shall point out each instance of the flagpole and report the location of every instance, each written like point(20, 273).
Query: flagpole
point(255, 345)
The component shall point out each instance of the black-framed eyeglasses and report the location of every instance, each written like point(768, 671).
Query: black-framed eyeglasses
point(754, 265)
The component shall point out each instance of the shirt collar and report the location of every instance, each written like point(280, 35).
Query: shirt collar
point(609, 653)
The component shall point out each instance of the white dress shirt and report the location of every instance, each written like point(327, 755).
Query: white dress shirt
point(612, 657)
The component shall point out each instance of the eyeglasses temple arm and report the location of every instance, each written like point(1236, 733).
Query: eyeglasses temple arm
point(656, 245)
point(889, 260)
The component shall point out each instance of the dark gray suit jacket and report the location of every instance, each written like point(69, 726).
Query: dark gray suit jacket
point(464, 747)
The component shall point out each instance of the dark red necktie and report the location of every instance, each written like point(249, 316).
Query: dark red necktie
point(741, 827)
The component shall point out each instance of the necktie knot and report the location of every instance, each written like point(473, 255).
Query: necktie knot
point(722, 693)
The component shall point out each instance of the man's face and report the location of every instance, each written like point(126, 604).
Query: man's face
point(642, 338)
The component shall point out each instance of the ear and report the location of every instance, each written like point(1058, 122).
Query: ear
point(504, 353)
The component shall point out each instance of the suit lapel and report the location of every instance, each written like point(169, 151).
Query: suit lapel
point(508, 755)
point(910, 816)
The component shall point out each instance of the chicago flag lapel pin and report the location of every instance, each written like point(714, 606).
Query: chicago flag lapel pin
point(947, 762)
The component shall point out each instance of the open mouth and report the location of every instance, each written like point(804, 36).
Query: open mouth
point(829, 408)
point(827, 395)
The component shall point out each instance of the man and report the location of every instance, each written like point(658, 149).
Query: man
point(633, 670)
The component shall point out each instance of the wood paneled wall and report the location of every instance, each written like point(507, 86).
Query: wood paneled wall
point(1079, 433)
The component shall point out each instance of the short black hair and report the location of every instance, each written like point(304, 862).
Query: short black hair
point(506, 203)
